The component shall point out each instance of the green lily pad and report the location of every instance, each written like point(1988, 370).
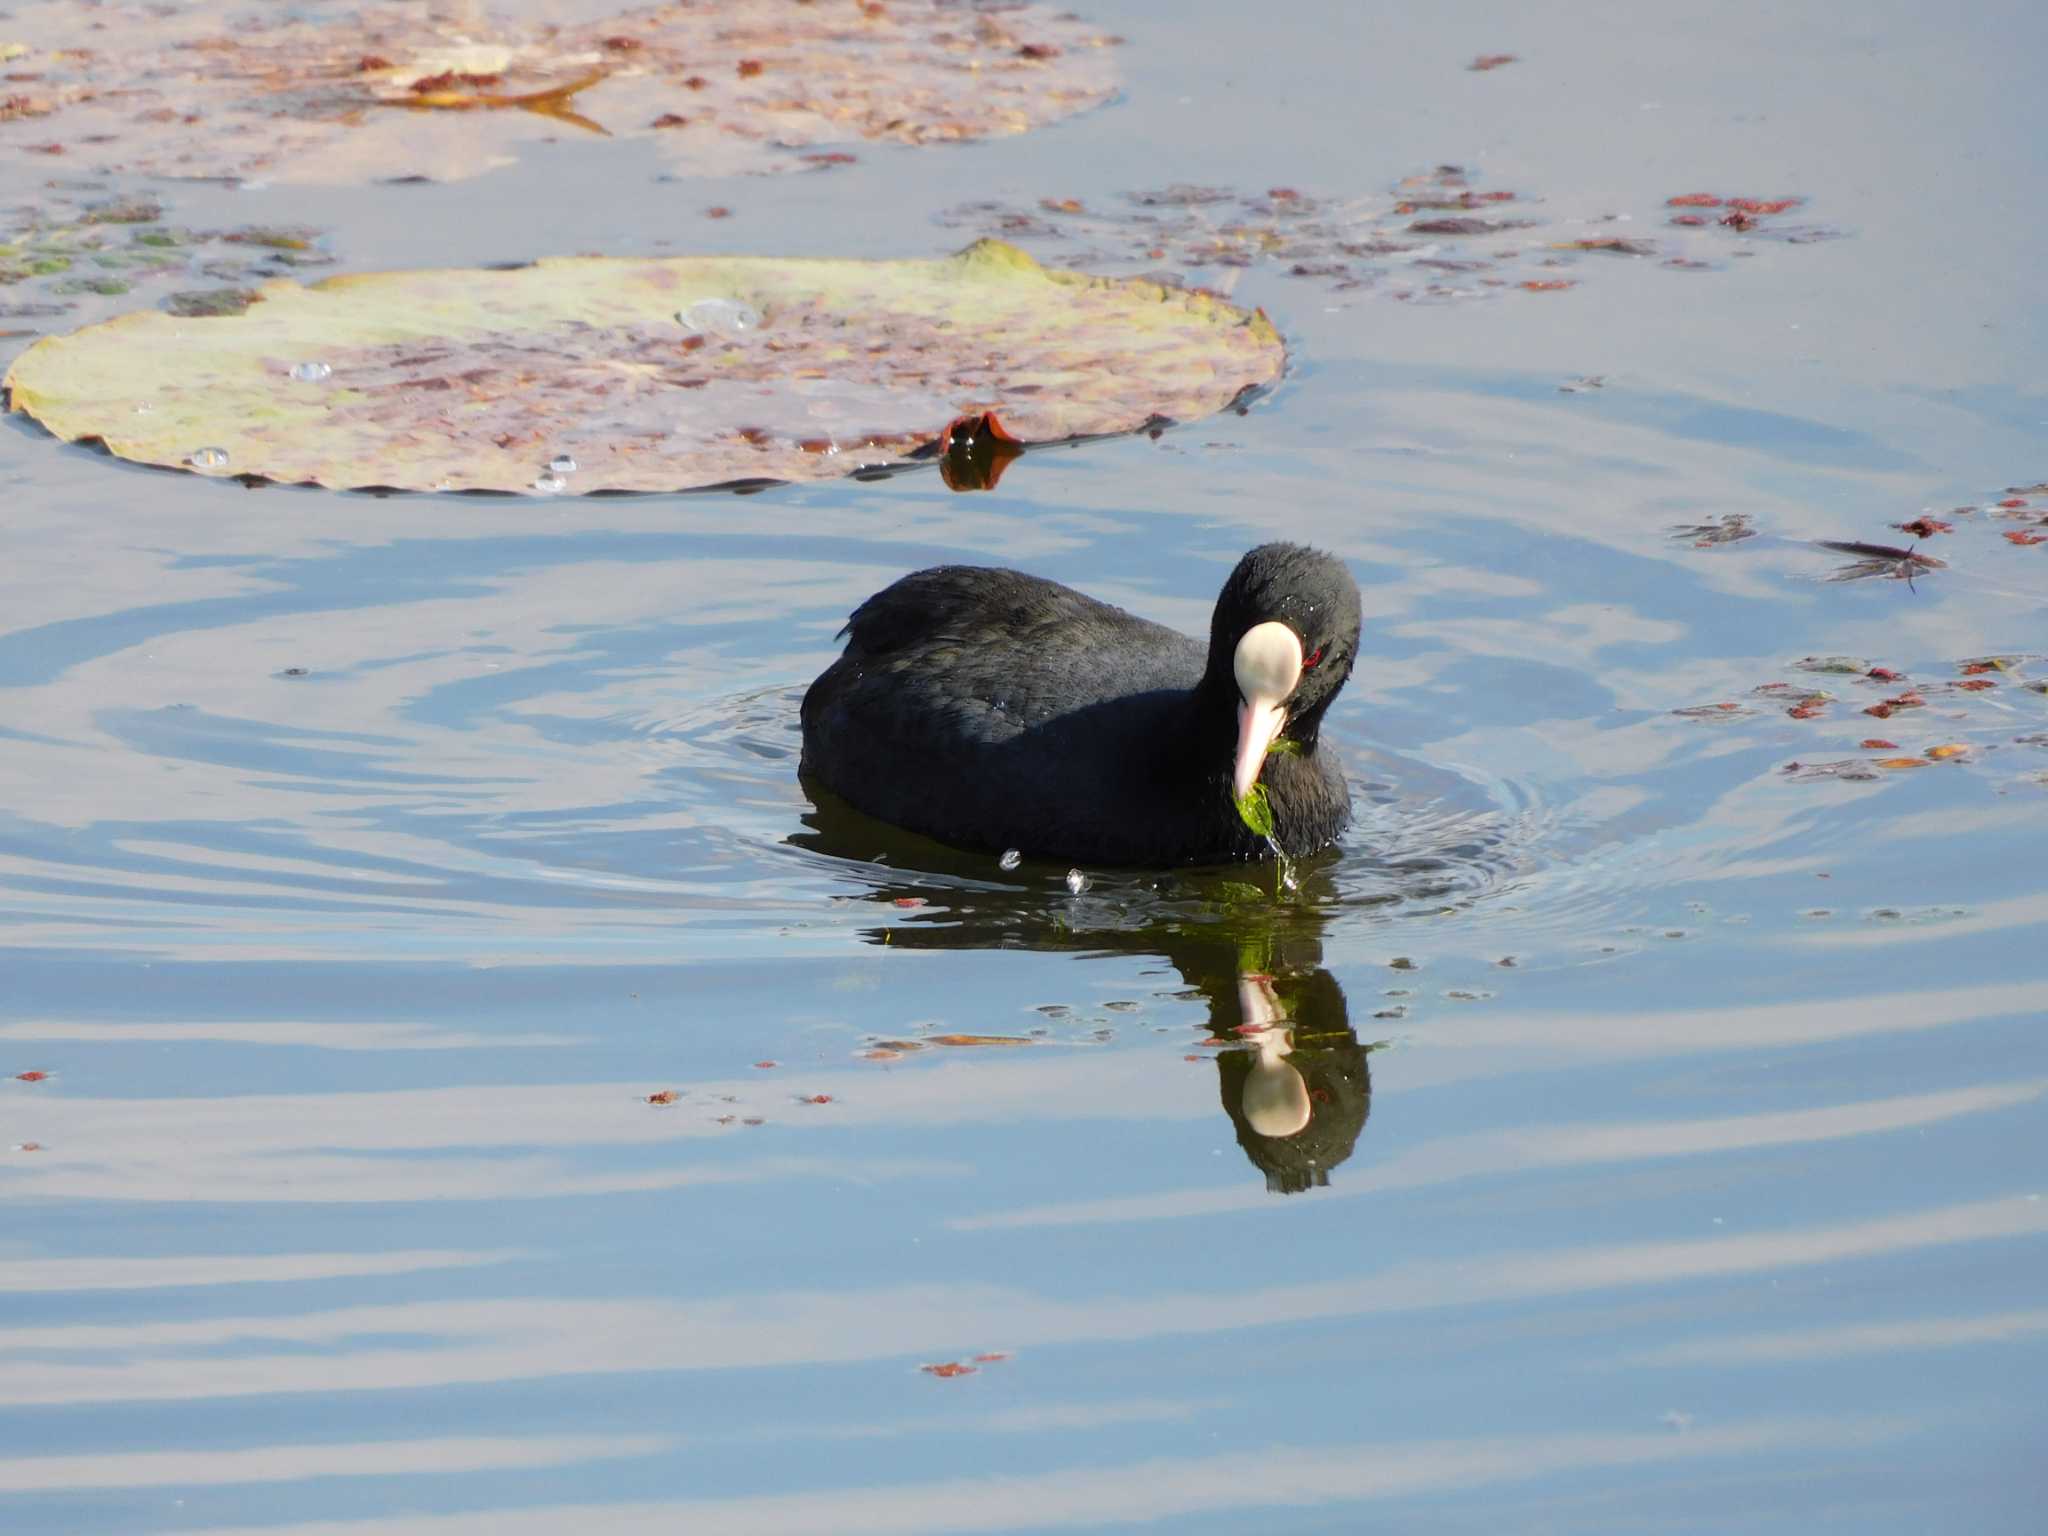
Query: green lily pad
point(362, 92)
point(624, 374)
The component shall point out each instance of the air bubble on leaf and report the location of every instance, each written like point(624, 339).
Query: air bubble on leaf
point(208, 458)
point(550, 485)
point(1010, 860)
point(562, 464)
point(311, 373)
point(719, 317)
point(1076, 881)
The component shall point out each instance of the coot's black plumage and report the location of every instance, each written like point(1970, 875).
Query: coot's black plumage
point(990, 709)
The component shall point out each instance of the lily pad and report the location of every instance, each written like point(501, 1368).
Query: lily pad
point(359, 93)
point(1434, 237)
point(641, 374)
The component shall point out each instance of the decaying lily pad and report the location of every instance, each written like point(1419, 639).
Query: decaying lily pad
point(88, 256)
point(595, 373)
point(358, 93)
point(1433, 237)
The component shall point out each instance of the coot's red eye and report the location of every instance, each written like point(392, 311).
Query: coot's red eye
point(1312, 658)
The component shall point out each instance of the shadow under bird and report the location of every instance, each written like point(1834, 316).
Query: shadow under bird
point(993, 710)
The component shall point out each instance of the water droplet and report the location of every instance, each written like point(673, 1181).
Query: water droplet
point(561, 464)
point(1076, 881)
point(311, 373)
point(208, 458)
point(719, 317)
point(1011, 859)
point(549, 485)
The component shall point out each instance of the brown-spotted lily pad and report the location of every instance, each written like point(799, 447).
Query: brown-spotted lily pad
point(1434, 237)
point(596, 373)
point(348, 94)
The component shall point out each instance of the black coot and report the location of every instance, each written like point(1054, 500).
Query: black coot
point(990, 709)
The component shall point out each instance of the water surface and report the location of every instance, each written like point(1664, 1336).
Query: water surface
point(1675, 1138)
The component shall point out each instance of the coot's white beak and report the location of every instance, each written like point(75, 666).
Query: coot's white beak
point(1268, 668)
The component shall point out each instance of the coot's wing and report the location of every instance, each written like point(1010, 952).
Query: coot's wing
point(1042, 649)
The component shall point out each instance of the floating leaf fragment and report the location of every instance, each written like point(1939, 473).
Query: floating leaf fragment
point(666, 1096)
point(1878, 744)
point(31, 1077)
point(1255, 810)
point(1612, 245)
point(1924, 527)
point(454, 376)
point(1879, 560)
point(2019, 536)
point(1854, 770)
point(1947, 751)
point(1903, 762)
point(947, 1369)
point(1732, 528)
point(1491, 61)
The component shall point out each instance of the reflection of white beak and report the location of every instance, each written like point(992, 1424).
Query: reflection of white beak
point(1268, 669)
point(1275, 1095)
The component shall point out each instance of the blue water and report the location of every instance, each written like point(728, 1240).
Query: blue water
point(1718, 1209)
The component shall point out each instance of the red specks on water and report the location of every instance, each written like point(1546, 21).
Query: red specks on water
point(1976, 684)
point(1548, 285)
point(2021, 536)
point(665, 1097)
point(622, 44)
point(31, 1077)
point(814, 1098)
point(2013, 501)
point(1690, 220)
point(1693, 200)
point(670, 120)
point(766, 1066)
point(946, 1370)
point(718, 211)
point(371, 62)
point(825, 157)
point(1038, 51)
point(1763, 206)
point(1925, 527)
point(749, 68)
point(992, 1357)
point(908, 902)
point(1878, 744)
point(1491, 61)
point(1885, 675)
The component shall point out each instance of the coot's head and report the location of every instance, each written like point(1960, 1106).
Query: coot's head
point(1285, 635)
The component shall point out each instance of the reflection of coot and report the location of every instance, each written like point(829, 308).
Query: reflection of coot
point(1333, 1079)
point(1252, 959)
point(990, 709)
